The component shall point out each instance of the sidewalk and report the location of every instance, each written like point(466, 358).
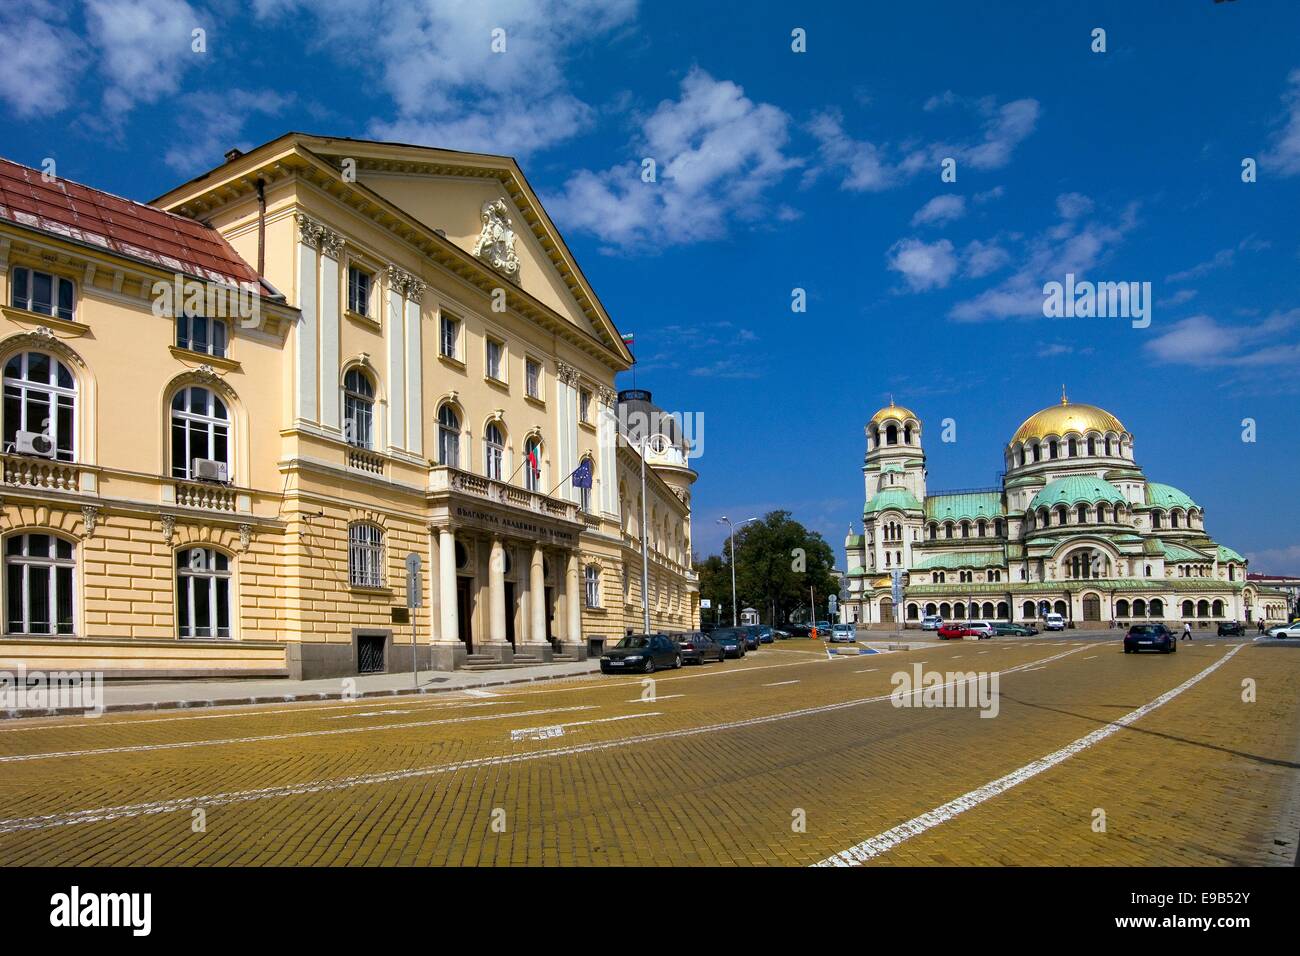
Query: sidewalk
point(165, 695)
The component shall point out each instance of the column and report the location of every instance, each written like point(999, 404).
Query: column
point(497, 592)
point(305, 371)
point(537, 598)
point(414, 356)
point(449, 629)
point(330, 396)
point(572, 605)
point(395, 331)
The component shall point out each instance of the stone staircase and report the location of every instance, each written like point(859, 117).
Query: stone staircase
point(486, 662)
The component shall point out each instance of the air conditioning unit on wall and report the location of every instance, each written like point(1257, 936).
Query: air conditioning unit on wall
point(34, 443)
point(205, 469)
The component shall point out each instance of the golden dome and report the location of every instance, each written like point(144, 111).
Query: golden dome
point(1067, 417)
point(892, 412)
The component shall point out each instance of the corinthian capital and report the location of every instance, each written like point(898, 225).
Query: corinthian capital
point(309, 230)
point(566, 373)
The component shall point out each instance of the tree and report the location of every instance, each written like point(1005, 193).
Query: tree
point(777, 561)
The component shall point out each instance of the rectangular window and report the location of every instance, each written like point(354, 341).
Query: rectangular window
point(493, 361)
point(584, 405)
point(196, 333)
point(359, 290)
point(42, 292)
point(532, 378)
point(450, 335)
point(592, 586)
point(366, 556)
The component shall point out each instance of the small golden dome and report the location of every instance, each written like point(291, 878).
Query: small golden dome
point(1067, 417)
point(893, 413)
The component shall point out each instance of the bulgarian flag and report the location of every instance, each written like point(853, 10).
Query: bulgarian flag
point(532, 461)
point(628, 339)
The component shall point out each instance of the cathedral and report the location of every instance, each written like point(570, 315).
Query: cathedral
point(1073, 528)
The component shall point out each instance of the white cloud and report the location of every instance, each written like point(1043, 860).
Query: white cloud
point(924, 265)
point(1071, 245)
point(1178, 298)
point(1284, 155)
point(716, 153)
point(211, 123)
point(1282, 560)
point(860, 163)
point(983, 258)
point(144, 46)
point(1220, 260)
point(436, 60)
point(42, 58)
point(940, 210)
point(1202, 341)
point(1073, 205)
point(1004, 128)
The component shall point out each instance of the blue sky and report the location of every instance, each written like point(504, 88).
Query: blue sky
point(819, 171)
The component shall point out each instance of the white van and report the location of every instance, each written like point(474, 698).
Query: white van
point(983, 628)
point(1053, 622)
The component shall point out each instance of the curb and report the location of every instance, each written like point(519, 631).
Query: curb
point(17, 714)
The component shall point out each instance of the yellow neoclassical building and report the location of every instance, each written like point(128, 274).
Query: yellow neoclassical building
point(230, 416)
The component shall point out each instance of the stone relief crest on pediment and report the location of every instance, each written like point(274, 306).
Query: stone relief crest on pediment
point(496, 242)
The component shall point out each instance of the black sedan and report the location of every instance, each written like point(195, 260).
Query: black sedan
point(731, 640)
point(697, 647)
point(765, 634)
point(641, 652)
point(1150, 637)
point(1232, 629)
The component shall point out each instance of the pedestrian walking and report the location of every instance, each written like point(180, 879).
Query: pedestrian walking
point(1187, 630)
point(1261, 625)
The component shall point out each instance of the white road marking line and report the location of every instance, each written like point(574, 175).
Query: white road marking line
point(1091, 657)
point(781, 683)
point(374, 728)
point(479, 692)
point(126, 811)
point(653, 700)
point(365, 713)
point(884, 842)
point(557, 730)
point(867, 671)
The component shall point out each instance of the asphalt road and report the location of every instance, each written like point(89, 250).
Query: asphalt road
point(787, 757)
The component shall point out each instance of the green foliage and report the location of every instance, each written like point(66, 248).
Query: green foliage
point(777, 560)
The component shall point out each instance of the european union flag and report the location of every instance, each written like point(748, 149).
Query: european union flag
point(582, 475)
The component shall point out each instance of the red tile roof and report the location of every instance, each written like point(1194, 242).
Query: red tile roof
point(91, 217)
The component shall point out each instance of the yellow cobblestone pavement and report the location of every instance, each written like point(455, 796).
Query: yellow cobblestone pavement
point(718, 768)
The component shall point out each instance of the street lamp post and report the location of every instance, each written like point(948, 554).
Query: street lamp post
point(727, 521)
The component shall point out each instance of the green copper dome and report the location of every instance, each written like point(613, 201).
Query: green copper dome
point(899, 498)
point(1167, 496)
point(1077, 488)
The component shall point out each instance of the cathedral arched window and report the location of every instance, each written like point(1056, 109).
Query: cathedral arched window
point(1092, 446)
point(1082, 514)
point(947, 529)
point(965, 529)
point(1052, 448)
point(891, 435)
point(1072, 448)
point(981, 529)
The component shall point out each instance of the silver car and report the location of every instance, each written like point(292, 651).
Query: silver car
point(844, 632)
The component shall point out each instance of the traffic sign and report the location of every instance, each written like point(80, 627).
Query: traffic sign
point(414, 592)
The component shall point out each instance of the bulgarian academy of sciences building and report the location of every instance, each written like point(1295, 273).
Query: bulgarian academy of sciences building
point(232, 415)
point(1075, 528)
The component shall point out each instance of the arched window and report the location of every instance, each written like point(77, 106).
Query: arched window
point(1092, 445)
point(1139, 608)
point(358, 409)
point(1121, 608)
point(1052, 448)
point(934, 531)
point(891, 435)
point(202, 593)
point(1188, 609)
point(1038, 452)
point(1218, 609)
point(1202, 608)
point(494, 451)
point(995, 575)
point(947, 529)
point(448, 437)
point(365, 555)
point(998, 527)
point(1157, 608)
point(945, 610)
point(200, 431)
point(40, 406)
point(1027, 610)
point(1081, 514)
point(965, 529)
point(913, 612)
point(533, 464)
point(1072, 449)
point(1103, 512)
point(1173, 519)
point(981, 529)
point(938, 577)
point(38, 585)
point(591, 581)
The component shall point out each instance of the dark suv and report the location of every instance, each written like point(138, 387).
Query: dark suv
point(1232, 629)
point(1150, 637)
point(641, 652)
point(697, 647)
point(730, 639)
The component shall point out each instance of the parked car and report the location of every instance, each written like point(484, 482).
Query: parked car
point(1053, 622)
point(1015, 630)
point(846, 632)
point(1284, 630)
point(731, 640)
point(1232, 629)
point(781, 635)
point(823, 628)
point(800, 630)
point(643, 652)
point(981, 629)
point(765, 634)
point(1150, 637)
point(697, 647)
point(955, 631)
point(751, 636)
point(931, 622)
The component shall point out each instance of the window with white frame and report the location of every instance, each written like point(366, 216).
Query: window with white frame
point(584, 493)
point(359, 285)
point(584, 405)
point(358, 409)
point(448, 437)
point(533, 378)
point(42, 292)
point(494, 366)
point(450, 337)
point(40, 406)
point(533, 464)
point(198, 333)
point(366, 556)
point(203, 593)
point(592, 582)
point(494, 450)
point(38, 585)
point(200, 430)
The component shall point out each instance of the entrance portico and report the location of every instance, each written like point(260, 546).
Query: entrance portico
point(504, 544)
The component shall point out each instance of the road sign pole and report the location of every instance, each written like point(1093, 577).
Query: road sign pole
point(414, 600)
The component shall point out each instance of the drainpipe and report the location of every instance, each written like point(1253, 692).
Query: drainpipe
point(261, 226)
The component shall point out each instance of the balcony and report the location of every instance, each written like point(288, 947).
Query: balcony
point(23, 471)
point(205, 496)
point(443, 479)
point(360, 459)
